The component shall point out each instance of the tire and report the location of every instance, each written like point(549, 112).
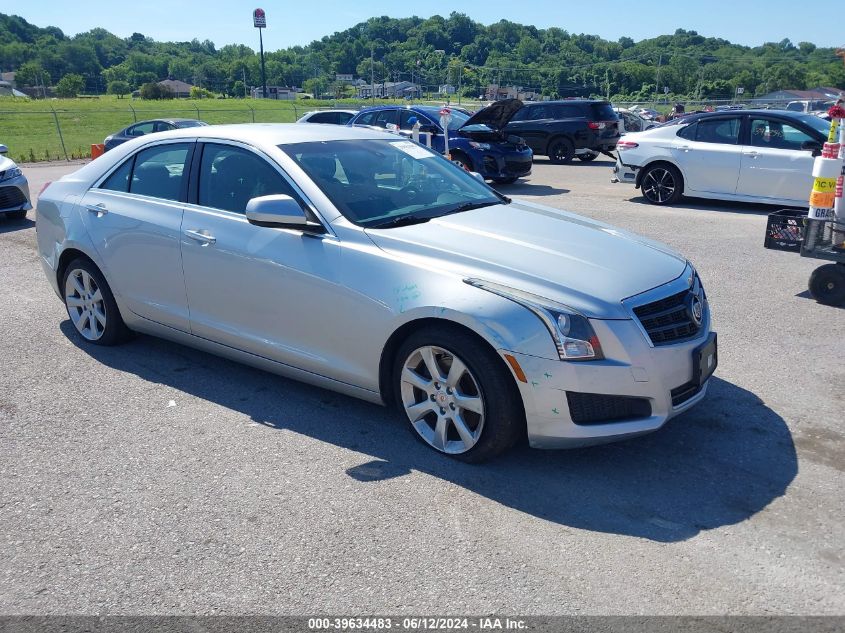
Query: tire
point(827, 284)
point(561, 151)
point(91, 306)
point(506, 181)
point(587, 158)
point(662, 184)
point(493, 418)
point(462, 161)
point(16, 215)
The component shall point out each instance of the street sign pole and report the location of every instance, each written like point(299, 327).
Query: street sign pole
point(259, 21)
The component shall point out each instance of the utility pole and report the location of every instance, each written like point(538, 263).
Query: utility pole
point(460, 78)
point(607, 81)
point(372, 75)
point(244, 71)
point(657, 80)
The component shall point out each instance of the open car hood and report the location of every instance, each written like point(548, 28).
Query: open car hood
point(495, 116)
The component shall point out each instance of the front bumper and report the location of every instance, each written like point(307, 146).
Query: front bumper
point(514, 164)
point(14, 195)
point(633, 369)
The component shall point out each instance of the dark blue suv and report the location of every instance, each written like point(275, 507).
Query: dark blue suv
point(476, 142)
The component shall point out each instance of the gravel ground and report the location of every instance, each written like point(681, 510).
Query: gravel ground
point(154, 479)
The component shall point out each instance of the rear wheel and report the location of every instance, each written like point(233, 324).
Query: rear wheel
point(91, 306)
point(827, 284)
point(662, 184)
point(561, 151)
point(457, 395)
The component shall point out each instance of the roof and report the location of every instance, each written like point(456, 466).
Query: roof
point(175, 85)
point(278, 133)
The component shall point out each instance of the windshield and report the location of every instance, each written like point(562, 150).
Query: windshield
point(381, 182)
point(817, 123)
point(458, 117)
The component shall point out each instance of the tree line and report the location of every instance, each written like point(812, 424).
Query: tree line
point(430, 51)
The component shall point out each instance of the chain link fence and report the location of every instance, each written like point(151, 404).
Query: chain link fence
point(49, 132)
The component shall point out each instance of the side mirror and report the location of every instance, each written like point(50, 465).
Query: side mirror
point(279, 211)
point(477, 175)
point(3, 149)
point(812, 146)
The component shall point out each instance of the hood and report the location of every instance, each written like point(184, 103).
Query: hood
point(495, 116)
point(587, 265)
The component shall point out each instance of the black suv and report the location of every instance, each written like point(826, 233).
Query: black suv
point(563, 130)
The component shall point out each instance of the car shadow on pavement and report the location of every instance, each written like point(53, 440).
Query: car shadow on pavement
point(717, 465)
point(601, 161)
point(704, 204)
point(8, 225)
point(529, 189)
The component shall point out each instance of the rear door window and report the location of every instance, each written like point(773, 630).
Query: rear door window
point(565, 111)
point(159, 171)
point(366, 118)
point(323, 117)
point(387, 117)
point(725, 131)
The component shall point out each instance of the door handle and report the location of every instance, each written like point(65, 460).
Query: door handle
point(201, 237)
point(686, 148)
point(99, 209)
point(753, 153)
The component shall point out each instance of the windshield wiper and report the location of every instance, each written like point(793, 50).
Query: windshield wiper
point(469, 206)
point(405, 220)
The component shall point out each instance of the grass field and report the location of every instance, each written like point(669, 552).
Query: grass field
point(29, 128)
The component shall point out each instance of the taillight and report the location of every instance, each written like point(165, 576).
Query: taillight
point(47, 184)
point(595, 125)
point(623, 145)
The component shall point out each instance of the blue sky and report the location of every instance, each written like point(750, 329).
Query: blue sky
point(749, 22)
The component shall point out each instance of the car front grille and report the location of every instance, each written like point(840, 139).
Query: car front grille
point(596, 408)
point(517, 167)
point(670, 320)
point(11, 197)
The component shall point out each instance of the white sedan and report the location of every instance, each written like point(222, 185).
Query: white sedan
point(760, 156)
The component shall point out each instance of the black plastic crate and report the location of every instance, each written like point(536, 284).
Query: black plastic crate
point(785, 230)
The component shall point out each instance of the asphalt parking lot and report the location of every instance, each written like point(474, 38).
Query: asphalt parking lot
point(151, 478)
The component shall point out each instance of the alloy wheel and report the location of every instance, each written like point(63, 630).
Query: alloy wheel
point(442, 400)
point(85, 304)
point(659, 185)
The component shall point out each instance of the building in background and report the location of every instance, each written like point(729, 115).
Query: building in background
point(180, 89)
point(283, 93)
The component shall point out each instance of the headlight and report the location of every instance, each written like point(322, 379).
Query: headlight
point(14, 172)
point(571, 331)
point(478, 145)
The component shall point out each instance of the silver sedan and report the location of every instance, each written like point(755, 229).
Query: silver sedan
point(368, 264)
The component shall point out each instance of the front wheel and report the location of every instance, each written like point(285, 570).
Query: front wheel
point(91, 306)
point(462, 161)
point(457, 395)
point(662, 184)
point(827, 284)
